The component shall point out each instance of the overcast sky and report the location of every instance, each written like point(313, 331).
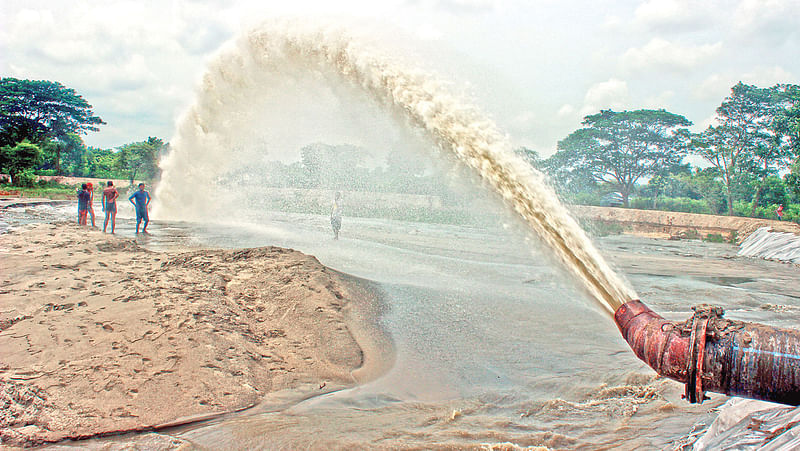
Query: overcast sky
point(536, 67)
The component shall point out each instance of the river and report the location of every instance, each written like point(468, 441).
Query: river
point(492, 344)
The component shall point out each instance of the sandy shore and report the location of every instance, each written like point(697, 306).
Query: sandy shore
point(99, 335)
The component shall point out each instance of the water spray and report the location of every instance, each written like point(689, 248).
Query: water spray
point(415, 97)
point(707, 353)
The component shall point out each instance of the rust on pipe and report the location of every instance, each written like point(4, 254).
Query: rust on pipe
point(710, 353)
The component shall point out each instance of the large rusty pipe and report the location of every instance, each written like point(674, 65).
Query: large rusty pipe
point(710, 353)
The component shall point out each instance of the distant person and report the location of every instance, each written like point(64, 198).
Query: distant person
point(142, 199)
point(336, 215)
point(779, 211)
point(83, 204)
point(110, 195)
point(90, 189)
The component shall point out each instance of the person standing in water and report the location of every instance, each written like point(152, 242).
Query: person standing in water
point(142, 198)
point(90, 189)
point(110, 195)
point(83, 204)
point(336, 215)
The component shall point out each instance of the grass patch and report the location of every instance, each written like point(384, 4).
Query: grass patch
point(715, 238)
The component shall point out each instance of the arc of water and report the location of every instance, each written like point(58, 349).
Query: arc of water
point(453, 124)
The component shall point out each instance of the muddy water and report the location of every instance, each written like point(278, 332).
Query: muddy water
point(492, 345)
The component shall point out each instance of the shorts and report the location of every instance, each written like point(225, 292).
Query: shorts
point(336, 223)
point(142, 215)
point(111, 207)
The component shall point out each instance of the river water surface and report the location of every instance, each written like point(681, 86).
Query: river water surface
point(493, 346)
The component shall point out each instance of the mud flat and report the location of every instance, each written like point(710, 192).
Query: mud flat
point(101, 336)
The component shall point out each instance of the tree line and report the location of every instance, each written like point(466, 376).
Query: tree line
point(747, 162)
point(41, 123)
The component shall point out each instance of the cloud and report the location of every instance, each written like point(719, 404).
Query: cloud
point(672, 15)
point(612, 22)
point(566, 110)
point(774, 20)
point(660, 54)
point(458, 6)
point(525, 119)
point(611, 94)
point(714, 87)
point(767, 76)
point(717, 86)
point(660, 100)
point(429, 32)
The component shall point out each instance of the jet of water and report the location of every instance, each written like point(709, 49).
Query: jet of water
point(199, 151)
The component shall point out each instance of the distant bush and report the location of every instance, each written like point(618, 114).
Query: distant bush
point(791, 212)
point(601, 228)
point(585, 199)
point(681, 204)
point(26, 179)
point(715, 238)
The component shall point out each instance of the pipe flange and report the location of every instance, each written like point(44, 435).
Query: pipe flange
point(703, 313)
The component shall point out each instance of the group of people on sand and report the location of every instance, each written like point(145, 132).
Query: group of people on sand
point(140, 200)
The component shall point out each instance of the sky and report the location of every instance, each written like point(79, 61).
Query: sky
point(535, 67)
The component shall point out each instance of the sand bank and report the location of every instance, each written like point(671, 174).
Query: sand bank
point(99, 335)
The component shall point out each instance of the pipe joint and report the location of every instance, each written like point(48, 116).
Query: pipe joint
point(710, 353)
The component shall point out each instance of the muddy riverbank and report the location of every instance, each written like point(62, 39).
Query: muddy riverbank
point(100, 335)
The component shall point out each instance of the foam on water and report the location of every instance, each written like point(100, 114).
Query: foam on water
point(201, 148)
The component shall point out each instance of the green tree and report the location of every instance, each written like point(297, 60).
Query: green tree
point(530, 156)
point(103, 163)
point(620, 148)
point(787, 123)
point(139, 160)
point(773, 150)
point(569, 178)
point(774, 191)
point(746, 140)
point(792, 179)
point(66, 154)
point(17, 158)
point(38, 109)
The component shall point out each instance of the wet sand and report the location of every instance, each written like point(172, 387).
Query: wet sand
point(100, 335)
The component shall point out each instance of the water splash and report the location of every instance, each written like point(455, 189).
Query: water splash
point(200, 151)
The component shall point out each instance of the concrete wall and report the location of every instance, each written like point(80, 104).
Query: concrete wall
point(670, 224)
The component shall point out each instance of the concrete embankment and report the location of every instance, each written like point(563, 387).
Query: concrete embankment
point(670, 224)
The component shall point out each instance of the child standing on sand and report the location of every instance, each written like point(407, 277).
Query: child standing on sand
point(83, 204)
point(779, 211)
point(110, 195)
point(90, 189)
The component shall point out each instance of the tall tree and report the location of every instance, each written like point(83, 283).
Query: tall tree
point(792, 179)
point(718, 146)
point(139, 160)
point(787, 123)
point(620, 148)
point(747, 139)
point(40, 109)
point(773, 149)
